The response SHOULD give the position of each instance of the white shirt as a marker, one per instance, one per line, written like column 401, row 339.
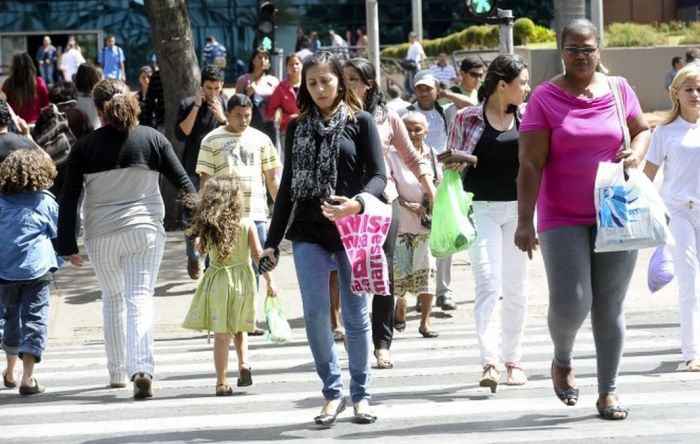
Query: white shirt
column 397, row 104
column 677, row 147
column 437, row 134
column 304, row 53
column 445, row 73
column 70, row 61
column 415, row 52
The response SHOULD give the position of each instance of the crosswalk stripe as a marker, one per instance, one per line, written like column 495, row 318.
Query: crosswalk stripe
column 446, row 367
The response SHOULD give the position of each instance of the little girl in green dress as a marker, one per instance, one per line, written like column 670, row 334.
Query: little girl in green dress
column 225, row 298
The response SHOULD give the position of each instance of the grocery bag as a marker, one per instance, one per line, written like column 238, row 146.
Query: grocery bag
column 629, row 211
column 278, row 329
column 363, row 236
column 452, row 228
column 660, row 271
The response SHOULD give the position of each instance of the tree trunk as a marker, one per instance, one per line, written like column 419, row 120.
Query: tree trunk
column 565, row 11
column 179, row 70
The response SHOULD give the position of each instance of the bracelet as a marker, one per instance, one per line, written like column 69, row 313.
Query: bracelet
column 196, row 106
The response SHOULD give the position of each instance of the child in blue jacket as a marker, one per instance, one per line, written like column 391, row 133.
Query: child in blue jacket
column 28, row 218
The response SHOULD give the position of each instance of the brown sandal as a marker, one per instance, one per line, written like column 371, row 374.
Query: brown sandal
column 516, row 375
column 383, row 362
column 224, row 390
column 244, row 376
column 489, row 378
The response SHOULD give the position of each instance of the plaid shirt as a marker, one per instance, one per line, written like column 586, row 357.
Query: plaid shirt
column 468, row 126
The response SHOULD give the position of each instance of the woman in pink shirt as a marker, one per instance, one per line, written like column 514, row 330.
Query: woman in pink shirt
column 360, row 76
column 26, row 93
column 282, row 104
column 570, row 126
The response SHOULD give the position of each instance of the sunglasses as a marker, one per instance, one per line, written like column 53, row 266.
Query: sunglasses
column 575, row 50
column 475, row 75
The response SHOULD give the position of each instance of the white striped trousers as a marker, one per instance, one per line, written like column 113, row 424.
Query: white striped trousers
column 126, row 264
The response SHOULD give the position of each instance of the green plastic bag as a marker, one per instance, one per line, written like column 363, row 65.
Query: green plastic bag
column 452, row 228
column 278, row 329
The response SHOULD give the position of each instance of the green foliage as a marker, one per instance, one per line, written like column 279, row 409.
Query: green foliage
column 691, row 34
column 543, row 35
column 632, row 34
column 475, row 36
column 675, row 27
column 523, row 30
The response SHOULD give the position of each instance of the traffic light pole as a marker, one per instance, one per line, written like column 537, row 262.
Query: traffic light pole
column 505, row 31
column 372, row 16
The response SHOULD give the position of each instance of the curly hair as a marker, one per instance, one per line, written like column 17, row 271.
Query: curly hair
column 217, row 214
column 26, row 170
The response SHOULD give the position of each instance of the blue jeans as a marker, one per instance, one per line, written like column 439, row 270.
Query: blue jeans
column 192, row 252
column 261, row 228
column 46, row 71
column 313, row 265
column 2, row 318
column 26, row 317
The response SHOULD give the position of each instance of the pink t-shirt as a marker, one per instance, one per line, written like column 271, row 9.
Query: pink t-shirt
column 584, row 132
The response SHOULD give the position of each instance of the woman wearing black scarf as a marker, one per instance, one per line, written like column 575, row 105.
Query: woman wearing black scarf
column 334, row 154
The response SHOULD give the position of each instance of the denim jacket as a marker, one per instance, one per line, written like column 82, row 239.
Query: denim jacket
column 27, row 224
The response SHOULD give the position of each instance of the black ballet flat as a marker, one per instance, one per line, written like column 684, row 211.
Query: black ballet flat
column 328, row 419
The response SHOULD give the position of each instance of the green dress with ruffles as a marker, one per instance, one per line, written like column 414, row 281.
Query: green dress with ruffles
column 224, row 301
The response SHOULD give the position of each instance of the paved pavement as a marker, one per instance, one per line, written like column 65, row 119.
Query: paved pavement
column 432, row 394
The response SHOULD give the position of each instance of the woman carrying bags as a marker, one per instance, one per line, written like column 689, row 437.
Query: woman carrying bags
column 490, row 132
column 360, row 76
column 332, row 153
column 569, row 127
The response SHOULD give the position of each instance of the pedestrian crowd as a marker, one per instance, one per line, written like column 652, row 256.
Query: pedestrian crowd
column 322, row 145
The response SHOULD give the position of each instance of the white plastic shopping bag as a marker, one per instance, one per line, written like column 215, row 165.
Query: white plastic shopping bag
column 629, row 212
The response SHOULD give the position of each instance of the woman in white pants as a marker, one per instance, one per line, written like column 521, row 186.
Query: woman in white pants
column 118, row 166
column 490, row 131
column 675, row 143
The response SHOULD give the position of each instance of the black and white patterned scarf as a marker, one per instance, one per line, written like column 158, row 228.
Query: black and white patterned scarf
column 315, row 174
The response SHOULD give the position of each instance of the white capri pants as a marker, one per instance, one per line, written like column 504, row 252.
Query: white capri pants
column 126, row 264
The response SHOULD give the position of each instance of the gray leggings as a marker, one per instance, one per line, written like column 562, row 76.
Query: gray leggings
column 581, row 281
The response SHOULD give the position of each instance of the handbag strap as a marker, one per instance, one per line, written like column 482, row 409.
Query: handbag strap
column 617, row 95
column 432, row 161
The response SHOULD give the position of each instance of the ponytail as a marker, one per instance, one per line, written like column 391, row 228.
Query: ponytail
column 119, row 107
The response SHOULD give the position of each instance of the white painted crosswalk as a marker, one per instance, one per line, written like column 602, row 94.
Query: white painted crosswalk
column 431, row 395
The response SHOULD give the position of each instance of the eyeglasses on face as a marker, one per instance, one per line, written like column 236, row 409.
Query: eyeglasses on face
column 575, row 50
column 475, row 75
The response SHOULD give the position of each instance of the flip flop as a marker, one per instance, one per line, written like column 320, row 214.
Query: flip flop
column 428, row 333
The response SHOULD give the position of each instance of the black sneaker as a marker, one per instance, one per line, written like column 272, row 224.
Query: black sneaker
column 142, row 386
column 446, row 303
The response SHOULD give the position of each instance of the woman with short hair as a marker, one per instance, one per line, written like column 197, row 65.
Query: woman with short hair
column 118, row 167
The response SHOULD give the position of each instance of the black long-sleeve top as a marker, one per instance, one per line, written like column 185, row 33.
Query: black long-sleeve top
column 120, row 171
column 360, row 169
